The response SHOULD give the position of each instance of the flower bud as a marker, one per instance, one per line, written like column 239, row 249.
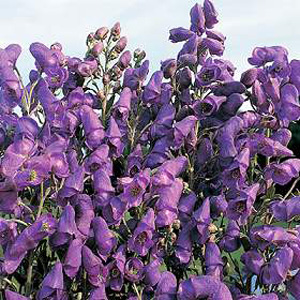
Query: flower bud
column 101, row 95
column 176, row 224
column 116, row 29
column 97, row 49
column 56, row 46
column 248, row 77
column 139, row 54
column 124, row 60
column 101, row 33
column 106, row 79
column 121, row 44
column 169, row 67
column 113, row 55
column 212, row 228
column 90, row 38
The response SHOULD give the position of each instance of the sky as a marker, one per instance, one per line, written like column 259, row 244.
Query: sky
column 146, row 23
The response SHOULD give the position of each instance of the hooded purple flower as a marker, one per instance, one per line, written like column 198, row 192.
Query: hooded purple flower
column 275, row 271
column 134, row 78
column 179, row 34
column 167, row 204
column 104, row 238
column 213, row 260
column 66, row 228
column 166, row 287
column 134, row 268
column 93, row 128
column 152, row 91
column 293, row 286
column 169, row 170
column 262, row 55
column 98, row 293
column 84, row 213
column 202, row 219
column 266, row 235
column 218, row 205
column 253, row 261
column 208, row 106
column 96, row 272
column 240, row 208
column 235, row 175
column 201, row 287
column 231, row 239
column 141, row 241
column 8, row 196
column 121, row 109
column 282, row 173
column 114, row 211
column 27, row 240
column 102, row 187
column 135, row 189
column 198, row 19
column 210, row 14
column 186, row 207
column 53, row 284
column 73, row 184
column 289, row 104
column 9, row 295
column 163, row 123
column 72, row 261
column 116, row 270
column 134, row 161
column 114, row 136
column 285, row 210
column 184, row 244
column 152, row 273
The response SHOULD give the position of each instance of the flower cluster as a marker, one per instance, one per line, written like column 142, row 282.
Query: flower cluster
column 178, row 186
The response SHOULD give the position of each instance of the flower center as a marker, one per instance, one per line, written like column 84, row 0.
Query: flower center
column 240, row 207
column 206, row 107
column 235, row 173
column 135, row 190
column 142, row 237
column 115, row 272
column 32, row 175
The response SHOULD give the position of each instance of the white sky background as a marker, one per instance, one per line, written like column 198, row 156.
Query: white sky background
column 146, row 23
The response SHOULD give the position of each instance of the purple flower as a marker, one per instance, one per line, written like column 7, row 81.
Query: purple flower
column 104, row 238
column 198, row 19
column 166, row 287
column 162, row 125
column 9, row 295
column 116, row 270
column 134, row 268
column 240, row 208
column 152, row 273
column 284, row 172
column 231, row 239
column 114, row 211
column 179, row 34
column 53, row 284
column 152, row 91
column 204, row 286
column 113, row 135
column 66, row 228
column 141, row 241
column 213, row 260
column 253, row 261
column 285, row 210
column 275, row 271
column 72, row 261
column 135, row 189
column 184, row 244
column 167, row 204
column 202, row 219
column 27, row 240
column 96, row 272
column 210, row 14
column 182, row 129
column 8, row 196
column 98, row 293
column 186, row 207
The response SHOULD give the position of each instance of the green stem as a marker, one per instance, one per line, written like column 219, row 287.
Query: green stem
column 292, row 188
column 42, row 200
column 137, row 292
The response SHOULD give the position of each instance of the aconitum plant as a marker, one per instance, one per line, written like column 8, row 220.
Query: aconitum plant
column 179, row 185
